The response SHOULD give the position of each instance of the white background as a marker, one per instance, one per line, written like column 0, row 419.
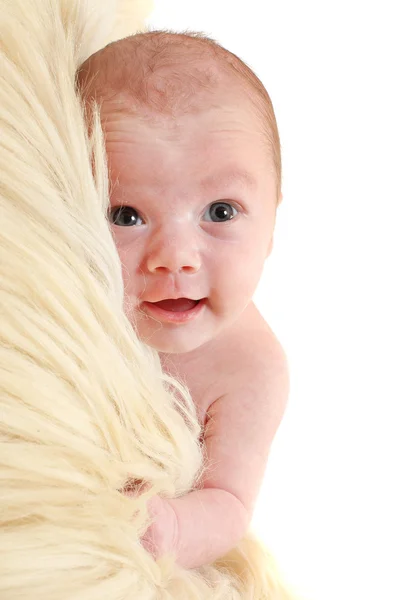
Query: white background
column 334, row 503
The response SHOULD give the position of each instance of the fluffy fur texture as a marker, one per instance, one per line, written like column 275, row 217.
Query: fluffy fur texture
column 84, row 406
column 130, row 17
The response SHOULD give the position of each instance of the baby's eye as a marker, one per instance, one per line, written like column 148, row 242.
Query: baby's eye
column 219, row 212
column 125, row 216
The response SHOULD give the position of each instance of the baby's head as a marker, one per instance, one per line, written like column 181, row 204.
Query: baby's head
column 195, row 173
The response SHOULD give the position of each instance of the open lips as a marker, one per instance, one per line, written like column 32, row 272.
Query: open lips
column 177, row 305
column 174, row 310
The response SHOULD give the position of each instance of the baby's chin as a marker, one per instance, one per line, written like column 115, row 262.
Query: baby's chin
column 171, row 346
column 175, row 341
column 183, row 338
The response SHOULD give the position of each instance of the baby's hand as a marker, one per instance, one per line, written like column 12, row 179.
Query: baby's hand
column 161, row 537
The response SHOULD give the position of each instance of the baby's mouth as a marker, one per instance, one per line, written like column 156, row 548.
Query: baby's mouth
column 176, row 304
column 175, row 311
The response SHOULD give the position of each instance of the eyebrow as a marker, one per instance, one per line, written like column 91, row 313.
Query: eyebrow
column 225, row 178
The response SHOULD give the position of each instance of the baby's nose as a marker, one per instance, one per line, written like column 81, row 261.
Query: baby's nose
column 174, row 254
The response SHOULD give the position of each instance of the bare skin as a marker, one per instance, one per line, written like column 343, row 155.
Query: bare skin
column 240, row 407
column 168, row 173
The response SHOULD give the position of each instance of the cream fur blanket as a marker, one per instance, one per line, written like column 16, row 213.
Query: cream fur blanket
column 83, row 404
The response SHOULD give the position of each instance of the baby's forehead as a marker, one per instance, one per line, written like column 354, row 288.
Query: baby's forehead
column 162, row 75
column 168, row 70
column 180, row 86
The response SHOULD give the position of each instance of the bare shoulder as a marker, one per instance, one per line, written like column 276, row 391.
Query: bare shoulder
column 251, row 359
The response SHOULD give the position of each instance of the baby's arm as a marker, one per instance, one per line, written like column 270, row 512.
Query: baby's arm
column 203, row 525
column 198, row 527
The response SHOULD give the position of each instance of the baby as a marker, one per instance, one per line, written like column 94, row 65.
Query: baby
column 194, row 161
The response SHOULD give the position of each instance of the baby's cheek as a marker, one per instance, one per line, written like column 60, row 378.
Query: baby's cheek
column 240, row 270
column 129, row 255
column 131, row 275
column 131, row 284
column 236, row 288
